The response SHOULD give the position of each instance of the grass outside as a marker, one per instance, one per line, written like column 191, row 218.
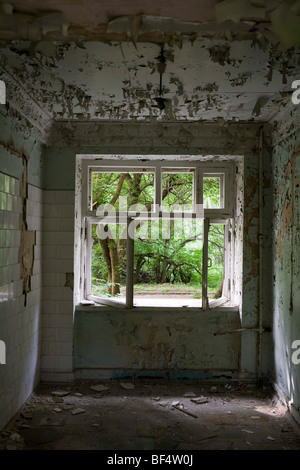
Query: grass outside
column 164, row 289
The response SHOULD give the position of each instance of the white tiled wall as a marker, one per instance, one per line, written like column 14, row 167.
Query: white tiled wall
column 20, row 325
column 57, row 254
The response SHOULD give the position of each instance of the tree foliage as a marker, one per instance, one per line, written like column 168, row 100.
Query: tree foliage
column 174, row 255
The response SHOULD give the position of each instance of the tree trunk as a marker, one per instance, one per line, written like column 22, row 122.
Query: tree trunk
column 115, row 268
column 106, row 256
column 139, row 264
column 163, row 277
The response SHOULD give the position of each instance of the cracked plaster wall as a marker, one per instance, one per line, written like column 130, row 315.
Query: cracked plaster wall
column 286, row 271
column 157, row 140
column 171, row 344
column 20, row 266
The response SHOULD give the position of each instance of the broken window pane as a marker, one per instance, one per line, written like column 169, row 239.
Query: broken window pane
column 168, row 264
column 122, row 190
column 108, row 264
column 177, row 190
column 215, row 273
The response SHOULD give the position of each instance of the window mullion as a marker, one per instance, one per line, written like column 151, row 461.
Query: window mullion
column 198, row 192
column 88, row 257
column 129, row 265
column 158, row 195
column 205, row 304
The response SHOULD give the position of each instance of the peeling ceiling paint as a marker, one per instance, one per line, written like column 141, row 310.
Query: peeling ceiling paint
column 203, row 80
column 81, row 60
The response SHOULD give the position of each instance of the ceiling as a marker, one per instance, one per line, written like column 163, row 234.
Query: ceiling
column 99, row 60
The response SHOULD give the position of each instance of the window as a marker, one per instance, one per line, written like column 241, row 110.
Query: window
column 157, row 233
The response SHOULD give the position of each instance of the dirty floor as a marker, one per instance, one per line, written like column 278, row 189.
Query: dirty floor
column 151, row 414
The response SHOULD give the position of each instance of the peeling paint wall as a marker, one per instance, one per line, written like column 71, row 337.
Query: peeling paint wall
column 286, row 252
column 20, row 267
column 186, row 344
column 156, row 140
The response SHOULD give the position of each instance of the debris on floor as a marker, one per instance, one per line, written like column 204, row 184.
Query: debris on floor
column 78, row 411
column 157, row 415
column 60, row 393
column 99, row 388
column 199, row 400
column 127, row 386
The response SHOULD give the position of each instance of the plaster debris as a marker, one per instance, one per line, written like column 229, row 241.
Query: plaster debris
column 248, row 431
column 60, row 393
column 99, row 388
column 57, row 410
column 77, row 394
column 213, row 389
column 175, row 403
column 270, row 438
column 199, row 400
column 127, row 386
column 78, row 411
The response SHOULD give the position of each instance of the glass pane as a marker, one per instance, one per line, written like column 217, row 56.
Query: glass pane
column 212, row 192
column 168, row 264
column 109, row 261
column 177, row 191
column 122, row 190
column 215, row 260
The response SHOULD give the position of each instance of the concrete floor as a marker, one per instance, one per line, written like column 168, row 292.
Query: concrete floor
column 154, row 414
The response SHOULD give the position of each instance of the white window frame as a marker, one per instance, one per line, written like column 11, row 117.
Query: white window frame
column 223, row 215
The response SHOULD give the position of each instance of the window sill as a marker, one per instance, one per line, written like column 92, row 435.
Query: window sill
column 216, row 304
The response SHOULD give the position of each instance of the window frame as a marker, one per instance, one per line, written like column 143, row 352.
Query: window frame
column 224, row 215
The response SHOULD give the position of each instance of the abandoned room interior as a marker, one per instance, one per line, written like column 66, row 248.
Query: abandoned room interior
column 149, row 224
